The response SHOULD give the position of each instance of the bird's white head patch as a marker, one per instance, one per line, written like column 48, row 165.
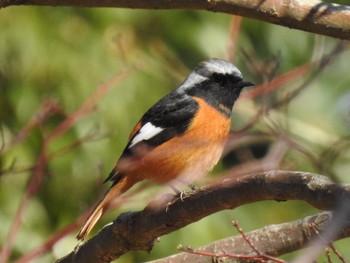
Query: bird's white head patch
column 207, row 68
column 220, row 66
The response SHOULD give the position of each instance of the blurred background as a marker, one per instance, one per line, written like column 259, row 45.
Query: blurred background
column 74, row 81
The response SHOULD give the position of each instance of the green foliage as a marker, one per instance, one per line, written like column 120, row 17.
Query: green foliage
column 58, row 57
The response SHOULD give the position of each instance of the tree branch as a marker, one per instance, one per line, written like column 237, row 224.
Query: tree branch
column 273, row 240
column 138, row 230
column 314, row 16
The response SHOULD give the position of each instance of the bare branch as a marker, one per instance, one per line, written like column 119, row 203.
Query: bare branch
column 274, row 240
column 312, row 16
column 138, row 230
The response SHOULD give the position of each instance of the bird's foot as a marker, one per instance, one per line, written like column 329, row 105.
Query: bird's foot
column 180, row 195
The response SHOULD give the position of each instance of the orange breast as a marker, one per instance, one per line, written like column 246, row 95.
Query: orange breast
column 190, row 155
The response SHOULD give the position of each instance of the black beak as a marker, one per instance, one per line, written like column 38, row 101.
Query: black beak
column 247, row 84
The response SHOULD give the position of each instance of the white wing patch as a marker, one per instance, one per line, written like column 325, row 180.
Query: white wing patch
column 146, row 132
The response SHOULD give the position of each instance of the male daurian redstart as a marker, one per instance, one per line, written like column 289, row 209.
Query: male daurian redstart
column 181, row 137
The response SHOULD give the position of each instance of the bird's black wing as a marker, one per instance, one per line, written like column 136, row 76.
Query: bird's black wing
column 168, row 118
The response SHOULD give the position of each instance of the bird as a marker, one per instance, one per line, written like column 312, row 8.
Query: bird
column 181, row 137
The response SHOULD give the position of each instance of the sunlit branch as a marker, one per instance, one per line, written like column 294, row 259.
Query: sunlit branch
column 312, row 16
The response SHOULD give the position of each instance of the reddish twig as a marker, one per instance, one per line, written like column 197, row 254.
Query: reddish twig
column 330, row 245
column 17, row 221
column 235, row 28
column 88, row 105
column 258, row 258
column 247, row 240
column 253, row 247
column 277, row 82
column 48, row 245
column 339, row 255
column 48, row 108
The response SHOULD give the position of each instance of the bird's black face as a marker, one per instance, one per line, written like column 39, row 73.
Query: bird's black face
column 218, row 82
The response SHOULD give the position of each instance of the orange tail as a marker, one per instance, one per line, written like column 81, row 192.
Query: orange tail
column 116, row 190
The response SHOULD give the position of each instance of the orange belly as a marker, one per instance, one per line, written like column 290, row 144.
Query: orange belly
column 186, row 156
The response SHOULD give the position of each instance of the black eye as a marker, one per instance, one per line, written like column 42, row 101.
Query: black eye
column 219, row 78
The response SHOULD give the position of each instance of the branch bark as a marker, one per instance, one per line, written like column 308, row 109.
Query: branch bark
column 314, row 16
column 273, row 240
column 138, row 230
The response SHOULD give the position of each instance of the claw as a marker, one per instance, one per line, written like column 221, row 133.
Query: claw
column 182, row 196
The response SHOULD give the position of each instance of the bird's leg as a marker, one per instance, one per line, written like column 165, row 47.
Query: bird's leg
column 176, row 197
column 184, row 194
column 177, row 191
column 181, row 194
